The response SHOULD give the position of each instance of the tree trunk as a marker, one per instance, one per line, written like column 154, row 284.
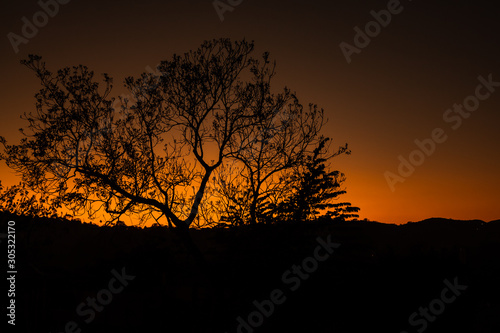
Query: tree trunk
column 182, row 230
column 203, row 279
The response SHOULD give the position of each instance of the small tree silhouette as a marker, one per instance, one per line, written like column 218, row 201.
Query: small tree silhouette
column 315, row 190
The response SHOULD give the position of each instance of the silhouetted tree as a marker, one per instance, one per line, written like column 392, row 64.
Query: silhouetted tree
column 146, row 157
column 154, row 156
column 315, row 189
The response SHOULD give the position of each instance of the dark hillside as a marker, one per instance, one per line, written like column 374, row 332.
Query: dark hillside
column 374, row 281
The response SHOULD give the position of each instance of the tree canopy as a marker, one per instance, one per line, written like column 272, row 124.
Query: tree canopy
column 203, row 136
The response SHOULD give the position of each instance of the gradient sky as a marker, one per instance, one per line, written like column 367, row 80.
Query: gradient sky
column 393, row 92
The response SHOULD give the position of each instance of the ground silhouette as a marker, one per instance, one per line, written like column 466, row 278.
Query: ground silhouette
column 378, row 276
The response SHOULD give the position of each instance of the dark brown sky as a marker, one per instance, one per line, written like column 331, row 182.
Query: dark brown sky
column 394, row 91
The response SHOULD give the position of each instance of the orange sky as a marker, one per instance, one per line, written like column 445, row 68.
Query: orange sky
column 394, row 91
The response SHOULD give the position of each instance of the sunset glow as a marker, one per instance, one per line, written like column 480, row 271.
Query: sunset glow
column 397, row 89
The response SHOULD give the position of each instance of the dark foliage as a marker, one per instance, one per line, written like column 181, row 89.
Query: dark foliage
column 315, row 191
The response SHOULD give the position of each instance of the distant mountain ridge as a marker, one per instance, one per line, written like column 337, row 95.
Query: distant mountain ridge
column 5, row 216
column 446, row 220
